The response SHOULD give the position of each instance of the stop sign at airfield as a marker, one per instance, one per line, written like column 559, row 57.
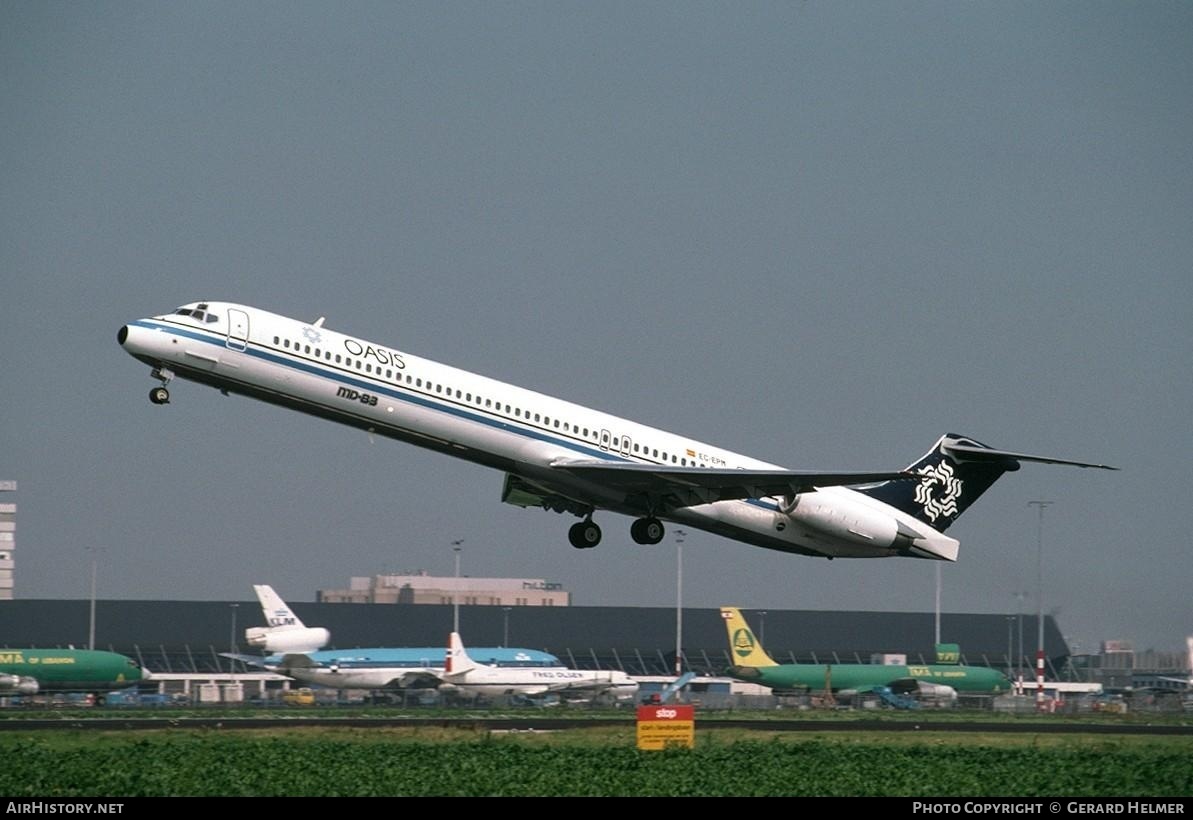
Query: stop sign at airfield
column 663, row 726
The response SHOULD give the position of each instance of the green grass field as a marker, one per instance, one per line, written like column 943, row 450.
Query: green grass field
column 601, row 761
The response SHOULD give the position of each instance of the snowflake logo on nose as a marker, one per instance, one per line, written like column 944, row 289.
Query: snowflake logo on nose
column 313, row 336
column 938, row 491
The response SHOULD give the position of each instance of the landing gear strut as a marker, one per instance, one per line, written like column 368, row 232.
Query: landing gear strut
column 647, row 530
column 584, row 534
column 160, row 395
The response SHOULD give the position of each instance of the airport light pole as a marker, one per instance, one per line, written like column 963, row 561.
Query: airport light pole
column 91, row 621
column 679, row 534
column 1019, row 596
column 456, row 590
column 762, row 627
column 1039, row 505
column 232, row 640
column 937, row 602
column 505, row 626
column 1010, row 645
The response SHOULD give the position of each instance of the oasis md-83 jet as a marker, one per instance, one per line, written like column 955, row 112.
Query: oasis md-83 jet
column 565, row 457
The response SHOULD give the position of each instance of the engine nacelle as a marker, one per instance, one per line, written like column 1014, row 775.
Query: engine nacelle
column 936, row 692
column 303, row 639
column 18, row 685
column 848, row 521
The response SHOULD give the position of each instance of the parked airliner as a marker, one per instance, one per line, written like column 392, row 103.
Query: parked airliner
column 565, row 457
column 393, row 668
column 296, row 651
column 464, row 676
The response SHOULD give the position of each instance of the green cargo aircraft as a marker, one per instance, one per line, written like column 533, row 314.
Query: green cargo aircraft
column 938, row 680
column 33, row 671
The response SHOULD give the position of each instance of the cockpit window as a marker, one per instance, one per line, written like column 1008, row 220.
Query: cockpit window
column 199, row 314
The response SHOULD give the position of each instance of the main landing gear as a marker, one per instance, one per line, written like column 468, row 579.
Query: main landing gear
column 586, row 534
column 647, row 530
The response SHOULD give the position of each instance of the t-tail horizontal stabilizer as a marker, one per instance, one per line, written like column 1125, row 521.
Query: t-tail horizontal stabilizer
column 953, row 474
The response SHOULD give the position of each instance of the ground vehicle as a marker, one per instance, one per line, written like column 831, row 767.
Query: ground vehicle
column 299, row 697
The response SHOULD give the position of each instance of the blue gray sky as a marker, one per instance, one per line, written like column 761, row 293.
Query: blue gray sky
column 819, row 233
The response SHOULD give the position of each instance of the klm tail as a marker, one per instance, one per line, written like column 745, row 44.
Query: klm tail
column 744, row 648
column 277, row 613
column 955, row 472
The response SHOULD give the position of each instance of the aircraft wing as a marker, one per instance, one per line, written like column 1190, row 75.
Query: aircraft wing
column 594, row 687
column 904, row 686
column 296, row 660
column 248, row 660
column 689, row 486
column 417, row 679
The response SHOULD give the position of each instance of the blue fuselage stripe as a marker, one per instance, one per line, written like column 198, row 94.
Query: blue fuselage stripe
column 336, row 375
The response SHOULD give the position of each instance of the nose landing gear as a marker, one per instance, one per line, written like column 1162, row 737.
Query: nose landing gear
column 160, row 395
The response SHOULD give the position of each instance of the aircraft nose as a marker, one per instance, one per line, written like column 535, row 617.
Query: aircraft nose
column 122, row 335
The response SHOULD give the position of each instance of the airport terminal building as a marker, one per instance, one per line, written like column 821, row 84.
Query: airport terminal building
column 192, row 636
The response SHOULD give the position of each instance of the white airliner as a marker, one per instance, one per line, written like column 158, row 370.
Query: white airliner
column 285, row 633
column 464, row 676
column 565, row 457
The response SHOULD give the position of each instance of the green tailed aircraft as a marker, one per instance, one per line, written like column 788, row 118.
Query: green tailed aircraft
column 938, row 680
column 32, row 671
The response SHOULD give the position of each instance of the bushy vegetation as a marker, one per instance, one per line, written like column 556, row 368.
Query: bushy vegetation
column 598, row 762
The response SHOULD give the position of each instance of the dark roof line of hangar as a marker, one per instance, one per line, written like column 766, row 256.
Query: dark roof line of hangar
column 576, row 633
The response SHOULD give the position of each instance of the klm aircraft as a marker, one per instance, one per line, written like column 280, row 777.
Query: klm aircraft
column 296, row 650
column 564, row 457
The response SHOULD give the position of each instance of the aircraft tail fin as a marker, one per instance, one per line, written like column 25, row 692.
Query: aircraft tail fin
column 285, row 631
column 276, row 611
column 954, row 473
column 458, row 660
column 744, row 647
